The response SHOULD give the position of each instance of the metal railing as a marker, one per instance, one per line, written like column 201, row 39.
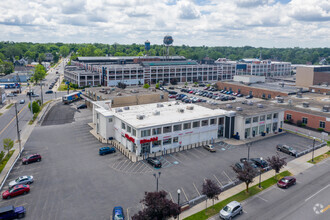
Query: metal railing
column 310, row 149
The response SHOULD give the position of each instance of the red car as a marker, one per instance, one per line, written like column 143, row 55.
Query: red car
column 286, row 181
column 31, row 158
column 172, row 96
column 15, row 191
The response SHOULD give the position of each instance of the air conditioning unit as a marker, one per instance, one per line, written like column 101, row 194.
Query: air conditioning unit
column 260, row 105
column 119, row 110
column 299, row 95
column 126, row 108
column 229, row 106
column 156, row 112
column 239, row 109
column 140, row 117
column 280, row 100
column 306, row 104
column 180, row 110
column 250, row 103
column 159, row 105
column 190, row 107
column 326, row 108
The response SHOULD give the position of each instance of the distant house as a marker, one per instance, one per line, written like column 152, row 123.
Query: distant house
column 21, row 62
column 49, row 57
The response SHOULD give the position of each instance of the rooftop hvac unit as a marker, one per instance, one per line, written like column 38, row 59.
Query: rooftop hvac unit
column 299, row 95
column 159, row 105
column 190, row 107
column 181, row 110
column 118, row 94
column 140, row 117
column 290, row 101
column 244, row 102
column 250, row 103
column 326, row 108
column 119, row 110
column 239, row 109
column 299, row 90
column 306, row 104
column 260, row 105
column 126, row 108
column 281, row 84
column 280, row 100
column 229, row 106
column 156, row 112
column 177, row 103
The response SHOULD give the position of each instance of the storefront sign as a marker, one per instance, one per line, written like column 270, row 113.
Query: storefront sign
column 148, row 140
column 129, row 138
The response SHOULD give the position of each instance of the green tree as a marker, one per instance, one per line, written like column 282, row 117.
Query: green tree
column 2, row 154
column 157, row 86
column 41, row 57
column 8, row 144
column 146, row 86
column 39, row 73
column 64, row 51
column 35, row 106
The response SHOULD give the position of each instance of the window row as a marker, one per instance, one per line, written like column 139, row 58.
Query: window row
column 165, row 142
column 261, row 118
column 304, row 121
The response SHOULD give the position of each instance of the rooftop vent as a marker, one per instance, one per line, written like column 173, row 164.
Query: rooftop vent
column 326, row 108
column 156, row 112
column 134, row 91
column 119, row 110
column 299, row 95
column 239, row 109
column 118, row 94
column 177, row 103
column 181, row 110
column 190, row 107
column 126, row 108
column 159, row 105
column 290, row 101
column 140, row 117
column 299, row 90
column 250, row 103
column 281, row 84
column 244, row 102
column 229, row 106
column 306, row 104
column 260, row 105
column 280, row 100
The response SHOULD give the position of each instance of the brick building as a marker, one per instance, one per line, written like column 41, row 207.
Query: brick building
column 312, row 75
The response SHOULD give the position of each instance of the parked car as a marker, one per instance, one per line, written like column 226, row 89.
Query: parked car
column 16, row 191
column 34, row 95
column 154, row 162
column 231, row 210
column 118, row 213
column 106, row 150
column 21, row 180
column 11, row 212
column 209, row 147
column 286, row 149
column 172, row 96
column 241, row 164
column 260, row 163
column 49, row 92
column 239, row 95
column 50, row 87
column 31, row 158
column 11, row 95
column 249, row 97
column 81, row 106
column 22, row 101
column 286, row 182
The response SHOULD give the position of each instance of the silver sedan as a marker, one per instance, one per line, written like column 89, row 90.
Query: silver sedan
column 21, row 180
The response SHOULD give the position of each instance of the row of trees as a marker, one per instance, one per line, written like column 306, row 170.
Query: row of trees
column 10, row 50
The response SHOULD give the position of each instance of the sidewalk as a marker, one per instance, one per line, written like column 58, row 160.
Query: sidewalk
column 305, row 131
column 251, row 140
column 295, row 166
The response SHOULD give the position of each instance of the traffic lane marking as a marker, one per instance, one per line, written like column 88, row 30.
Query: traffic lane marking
column 129, row 164
column 317, row 192
column 262, row 198
column 137, row 164
column 12, row 119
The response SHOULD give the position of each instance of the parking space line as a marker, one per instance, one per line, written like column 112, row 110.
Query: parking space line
column 227, row 176
column 182, row 153
column 262, row 198
column 127, row 213
column 175, row 158
column 244, row 211
column 147, row 166
column 137, row 164
column 127, row 165
column 139, row 167
column 280, row 189
column 217, row 180
column 194, row 155
column 143, row 167
column 200, row 151
column 116, row 164
column 119, row 168
column 185, row 195
column 196, row 189
column 317, row 193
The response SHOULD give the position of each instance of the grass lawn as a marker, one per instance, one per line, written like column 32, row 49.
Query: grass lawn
column 320, row 158
column 213, row 210
column 5, row 160
column 9, row 106
column 62, row 87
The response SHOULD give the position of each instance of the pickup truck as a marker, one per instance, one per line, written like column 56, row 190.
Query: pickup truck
column 10, row 212
column 286, row 149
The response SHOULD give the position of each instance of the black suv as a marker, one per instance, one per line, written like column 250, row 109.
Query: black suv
column 286, row 149
column 154, row 162
column 260, row 163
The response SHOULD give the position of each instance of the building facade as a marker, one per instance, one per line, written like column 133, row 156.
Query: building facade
column 312, row 75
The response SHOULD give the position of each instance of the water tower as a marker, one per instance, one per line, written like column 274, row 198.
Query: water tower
column 168, row 41
column 147, row 47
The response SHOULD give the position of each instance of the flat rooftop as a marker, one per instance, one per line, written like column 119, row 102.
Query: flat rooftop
column 168, row 113
column 111, row 92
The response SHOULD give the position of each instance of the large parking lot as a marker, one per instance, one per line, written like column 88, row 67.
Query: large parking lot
column 73, row 182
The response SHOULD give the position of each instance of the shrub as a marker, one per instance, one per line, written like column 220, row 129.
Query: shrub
column 2, row 154
column 35, row 106
column 146, row 86
column 320, row 129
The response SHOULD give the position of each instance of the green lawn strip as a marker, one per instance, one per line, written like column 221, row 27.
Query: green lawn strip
column 9, row 106
column 1, row 114
column 320, row 158
column 5, row 160
column 213, row 210
column 35, row 115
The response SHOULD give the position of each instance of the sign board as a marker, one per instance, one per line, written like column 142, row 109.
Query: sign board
column 67, row 83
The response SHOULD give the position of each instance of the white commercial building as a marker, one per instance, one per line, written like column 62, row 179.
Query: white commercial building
column 161, row 126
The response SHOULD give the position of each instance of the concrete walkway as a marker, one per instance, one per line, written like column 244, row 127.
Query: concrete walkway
column 295, row 166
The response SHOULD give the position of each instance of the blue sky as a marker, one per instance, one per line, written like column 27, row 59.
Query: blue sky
column 258, row 23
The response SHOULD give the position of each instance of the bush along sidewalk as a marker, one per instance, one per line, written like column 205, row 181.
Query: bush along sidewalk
column 241, row 196
column 5, row 160
column 320, row 158
column 36, row 108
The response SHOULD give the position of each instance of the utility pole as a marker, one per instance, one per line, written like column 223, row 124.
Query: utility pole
column 18, row 131
column 42, row 97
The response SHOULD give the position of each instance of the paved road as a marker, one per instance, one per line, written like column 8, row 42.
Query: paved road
column 305, row 200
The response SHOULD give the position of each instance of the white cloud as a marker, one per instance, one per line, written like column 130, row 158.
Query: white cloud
column 264, row 23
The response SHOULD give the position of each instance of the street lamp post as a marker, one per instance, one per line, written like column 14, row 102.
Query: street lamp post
column 179, row 192
column 249, row 145
column 313, row 149
column 157, row 177
column 260, row 174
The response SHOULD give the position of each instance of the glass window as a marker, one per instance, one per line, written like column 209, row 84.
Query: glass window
column 212, row 121
column 304, row 120
column 205, row 123
column 248, row 121
column 110, row 120
column 167, row 129
column 196, row 124
column 262, row 118
column 97, row 116
column 269, row 116
column 177, row 127
column 134, row 132
column 288, row 116
column 123, row 126
column 175, row 139
column 186, row 126
column 275, row 115
column 255, row 119
column 322, row 124
column 167, row 141
column 129, row 129
column 145, row 133
column 156, row 131
column 156, row 143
